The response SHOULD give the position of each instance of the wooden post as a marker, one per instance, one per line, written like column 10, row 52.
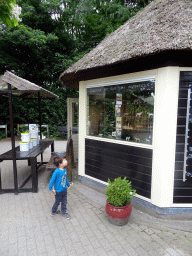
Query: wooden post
column 17, row 128
column 34, row 174
column 13, row 141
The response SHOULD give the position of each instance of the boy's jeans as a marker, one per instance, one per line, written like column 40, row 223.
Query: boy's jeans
column 60, row 197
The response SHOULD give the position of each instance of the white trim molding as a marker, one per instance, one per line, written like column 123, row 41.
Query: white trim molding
column 122, row 142
column 164, row 136
column 123, row 79
column 82, row 127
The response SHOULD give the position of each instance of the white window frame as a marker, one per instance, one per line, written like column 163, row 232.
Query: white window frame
column 124, row 79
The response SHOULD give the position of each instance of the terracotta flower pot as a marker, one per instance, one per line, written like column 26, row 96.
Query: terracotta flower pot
column 118, row 215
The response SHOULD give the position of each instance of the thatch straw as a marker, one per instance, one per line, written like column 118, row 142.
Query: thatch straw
column 162, row 25
column 19, row 84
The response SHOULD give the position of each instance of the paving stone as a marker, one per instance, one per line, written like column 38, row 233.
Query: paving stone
column 141, row 251
column 41, row 247
column 48, row 239
column 84, row 239
column 58, row 241
column 42, row 254
column 13, row 249
column 113, row 253
column 95, row 242
column 32, row 253
column 21, row 241
column 106, row 245
column 68, row 245
column 101, row 251
column 122, row 241
column 172, row 252
column 130, row 251
column 22, row 251
column 61, row 251
column 145, row 245
column 132, row 242
column 28, row 229
column 72, row 253
column 79, row 231
column 79, row 248
column 89, row 248
column 98, row 234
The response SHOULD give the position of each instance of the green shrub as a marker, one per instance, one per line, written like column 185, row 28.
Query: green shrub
column 22, row 128
column 119, row 192
column 2, row 135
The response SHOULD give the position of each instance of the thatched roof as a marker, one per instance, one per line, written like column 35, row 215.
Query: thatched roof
column 22, row 87
column 162, row 25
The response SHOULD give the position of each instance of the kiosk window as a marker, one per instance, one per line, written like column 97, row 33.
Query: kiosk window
column 123, row 112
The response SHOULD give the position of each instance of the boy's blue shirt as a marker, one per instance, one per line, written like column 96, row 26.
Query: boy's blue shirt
column 59, row 180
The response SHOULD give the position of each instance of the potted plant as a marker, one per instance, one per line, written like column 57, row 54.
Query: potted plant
column 119, row 194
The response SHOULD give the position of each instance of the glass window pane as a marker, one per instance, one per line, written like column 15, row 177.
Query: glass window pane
column 122, row 112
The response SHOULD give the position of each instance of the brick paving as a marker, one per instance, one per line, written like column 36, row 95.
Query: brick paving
column 28, row 229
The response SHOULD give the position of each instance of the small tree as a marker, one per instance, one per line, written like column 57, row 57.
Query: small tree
column 8, row 15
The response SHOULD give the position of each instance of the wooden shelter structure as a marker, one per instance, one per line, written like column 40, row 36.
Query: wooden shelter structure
column 146, row 61
column 12, row 85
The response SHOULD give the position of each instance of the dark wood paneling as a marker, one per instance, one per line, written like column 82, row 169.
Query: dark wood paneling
column 182, row 190
column 181, row 121
column 182, row 200
column 114, row 155
column 179, row 157
column 179, row 184
column 104, row 160
column 138, row 185
column 182, row 103
column 135, row 176
column 94, row 165
column 183, row 93
column 185, row 78
column 182, row 112
column 180, row 139
column 121, row 148
column 180, row 148
column 180, row 130
column 179, row 166
column 178, row 175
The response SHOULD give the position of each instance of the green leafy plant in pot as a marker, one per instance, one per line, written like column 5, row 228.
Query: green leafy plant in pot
column 118, row 206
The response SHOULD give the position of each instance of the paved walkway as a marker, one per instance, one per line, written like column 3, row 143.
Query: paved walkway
column 28, row 229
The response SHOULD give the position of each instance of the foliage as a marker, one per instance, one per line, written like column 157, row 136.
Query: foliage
column 51, row 37
column 93, row 20
column 109, row 121
column 25, row 48
column 2, row 135
column 119, row 192
column 7, row 16
column 22, row 129
column 54, row 134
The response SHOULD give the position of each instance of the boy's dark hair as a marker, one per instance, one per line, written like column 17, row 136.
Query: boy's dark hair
column 58, row 160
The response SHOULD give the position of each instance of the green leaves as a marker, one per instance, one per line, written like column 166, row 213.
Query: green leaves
column 7, row 16
column 51, row 37
column 119, row 192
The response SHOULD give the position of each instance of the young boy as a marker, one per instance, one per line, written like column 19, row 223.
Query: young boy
column 60, row 182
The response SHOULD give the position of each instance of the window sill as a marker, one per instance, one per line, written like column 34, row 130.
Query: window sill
column 116, row 141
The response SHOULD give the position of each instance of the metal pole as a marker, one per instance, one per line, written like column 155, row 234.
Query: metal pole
column 186, row 135
column 13, row 141
column 39, row 105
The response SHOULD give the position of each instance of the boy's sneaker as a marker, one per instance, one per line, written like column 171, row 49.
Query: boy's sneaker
column 66, row 216
column 53, row 213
